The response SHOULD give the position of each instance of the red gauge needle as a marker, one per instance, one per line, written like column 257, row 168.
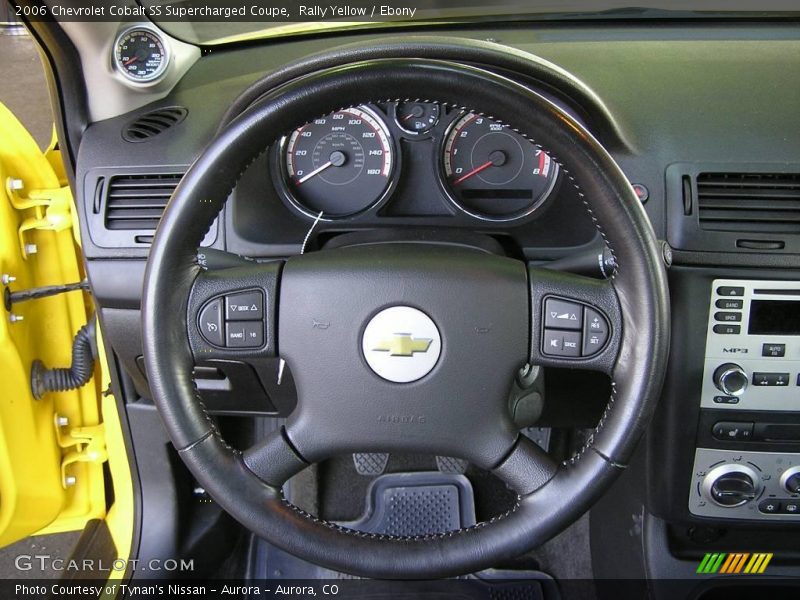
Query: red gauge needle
column 131, row 60
column 474, row 171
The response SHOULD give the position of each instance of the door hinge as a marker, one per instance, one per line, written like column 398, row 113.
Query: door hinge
column 83, row 444
column 52, row 210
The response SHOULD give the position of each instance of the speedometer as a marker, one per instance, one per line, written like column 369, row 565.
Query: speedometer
column 340, row 164
column 494, row 173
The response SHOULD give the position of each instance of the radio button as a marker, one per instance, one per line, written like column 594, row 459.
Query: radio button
column 775, row 350
column 730, row 290
column 729, row 304
column 727, row 329
column 771, row 379
column 730, row 317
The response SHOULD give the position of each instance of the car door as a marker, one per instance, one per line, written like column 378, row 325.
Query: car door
column 51, row 449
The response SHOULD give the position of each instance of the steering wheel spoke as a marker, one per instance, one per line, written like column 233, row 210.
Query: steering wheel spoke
column 274, row 460
column 526, row 468
column 231, row 313
column 576, row 321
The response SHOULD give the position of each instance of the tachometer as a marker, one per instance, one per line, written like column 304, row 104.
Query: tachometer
column 492, row 172
column 141, row 55
column 340, row 164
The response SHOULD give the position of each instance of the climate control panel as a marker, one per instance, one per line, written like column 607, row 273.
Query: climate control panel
column 745, row 485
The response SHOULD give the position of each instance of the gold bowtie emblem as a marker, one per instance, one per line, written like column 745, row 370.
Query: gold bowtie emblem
column 402, row 344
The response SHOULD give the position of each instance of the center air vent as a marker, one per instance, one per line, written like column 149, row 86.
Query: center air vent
column 153, row 123
column 749, row 202
column 136, row 202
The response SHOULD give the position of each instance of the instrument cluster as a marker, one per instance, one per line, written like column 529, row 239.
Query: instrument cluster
column 351, row 162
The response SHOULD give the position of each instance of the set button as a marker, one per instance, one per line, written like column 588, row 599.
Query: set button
column 234, row 321
column 572, row 329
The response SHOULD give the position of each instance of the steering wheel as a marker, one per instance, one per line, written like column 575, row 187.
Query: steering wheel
column 329, row 314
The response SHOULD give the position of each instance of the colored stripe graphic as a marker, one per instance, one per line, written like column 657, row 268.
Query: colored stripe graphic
column 734, row 563
column 711, row 562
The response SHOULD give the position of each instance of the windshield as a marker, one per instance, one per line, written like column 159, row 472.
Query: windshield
column 210, row 22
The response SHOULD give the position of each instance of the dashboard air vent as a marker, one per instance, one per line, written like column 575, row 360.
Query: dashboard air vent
column 151, row 124
column 136, row 202
column 749, row 202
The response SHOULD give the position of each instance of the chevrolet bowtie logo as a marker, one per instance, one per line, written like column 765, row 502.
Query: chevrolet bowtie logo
column 402, row 344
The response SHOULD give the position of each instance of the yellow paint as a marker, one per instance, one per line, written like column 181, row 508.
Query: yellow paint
column 36, row 453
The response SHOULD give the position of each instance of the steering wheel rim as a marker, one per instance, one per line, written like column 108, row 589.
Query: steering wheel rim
column 637, row 367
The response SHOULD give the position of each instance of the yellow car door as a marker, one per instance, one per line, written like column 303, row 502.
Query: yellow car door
column 53, row 444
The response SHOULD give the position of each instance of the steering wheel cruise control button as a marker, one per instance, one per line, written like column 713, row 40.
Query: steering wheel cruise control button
column 244, row 306
column 595, row 332
column 210, row 323
column 244, row 334
column 562, row 314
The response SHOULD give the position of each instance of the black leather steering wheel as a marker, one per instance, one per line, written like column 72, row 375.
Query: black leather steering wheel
column 488, row 312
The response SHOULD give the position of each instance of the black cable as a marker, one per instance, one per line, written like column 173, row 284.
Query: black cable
column 84, row 352
column 10, row 298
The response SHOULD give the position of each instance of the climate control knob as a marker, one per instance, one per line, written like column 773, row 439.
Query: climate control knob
column 731, row 379
column 731, row 485
column 790, row 480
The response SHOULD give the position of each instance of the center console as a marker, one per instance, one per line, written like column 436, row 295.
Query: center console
column 749, row 465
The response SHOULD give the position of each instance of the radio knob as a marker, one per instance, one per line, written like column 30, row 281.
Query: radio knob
column 731, row 485
column 790, row 480
column 731, row 379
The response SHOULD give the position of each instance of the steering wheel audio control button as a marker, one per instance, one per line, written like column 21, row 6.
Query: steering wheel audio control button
column 244, row 306
column 210, row 323
column 562, row 343
column 562, row 314
column 244, row 334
